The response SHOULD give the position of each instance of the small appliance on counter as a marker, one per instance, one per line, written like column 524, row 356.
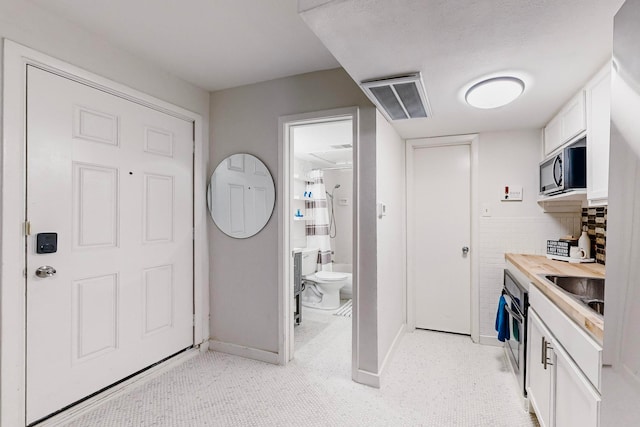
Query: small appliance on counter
column 570, row 249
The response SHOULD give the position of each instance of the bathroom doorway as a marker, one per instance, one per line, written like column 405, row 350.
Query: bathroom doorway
column 318, row 238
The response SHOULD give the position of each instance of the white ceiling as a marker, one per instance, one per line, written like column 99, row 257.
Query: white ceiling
column 214, row 44
column 553, row 45
column 321, row 144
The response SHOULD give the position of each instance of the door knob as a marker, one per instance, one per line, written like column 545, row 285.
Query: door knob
column 45, row 271
column 465, row 250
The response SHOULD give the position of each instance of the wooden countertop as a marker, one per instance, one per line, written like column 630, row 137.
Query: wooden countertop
column 534, row 265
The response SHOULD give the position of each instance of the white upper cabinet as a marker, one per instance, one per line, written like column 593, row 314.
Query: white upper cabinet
column 567, row 124
column 553, row 135
column 598, row 92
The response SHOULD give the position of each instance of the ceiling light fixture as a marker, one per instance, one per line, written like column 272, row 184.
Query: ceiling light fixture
column 494, row 92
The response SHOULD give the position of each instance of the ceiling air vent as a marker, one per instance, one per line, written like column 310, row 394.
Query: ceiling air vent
column 399, row 97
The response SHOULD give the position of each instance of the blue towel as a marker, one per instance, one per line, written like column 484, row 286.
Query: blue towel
column 502, row 320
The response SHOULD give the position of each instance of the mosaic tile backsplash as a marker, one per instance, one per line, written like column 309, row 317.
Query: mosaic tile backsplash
column 596, row 221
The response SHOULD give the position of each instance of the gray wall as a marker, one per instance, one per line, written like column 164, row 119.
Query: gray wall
column 244, row 273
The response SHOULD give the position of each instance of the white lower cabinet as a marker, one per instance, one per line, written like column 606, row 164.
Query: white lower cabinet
column 539, row 375
column 558, row 391
column 577, row 402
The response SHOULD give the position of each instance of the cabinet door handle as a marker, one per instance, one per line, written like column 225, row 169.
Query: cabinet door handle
column 546, row 357
column 543, row 356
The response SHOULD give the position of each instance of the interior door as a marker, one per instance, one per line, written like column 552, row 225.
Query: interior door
column 114, row 180
column 442, row 275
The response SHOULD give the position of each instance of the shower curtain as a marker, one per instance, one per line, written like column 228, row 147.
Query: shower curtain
column 317, row 227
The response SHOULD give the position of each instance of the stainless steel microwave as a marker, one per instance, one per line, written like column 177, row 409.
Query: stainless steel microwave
column 566, row 170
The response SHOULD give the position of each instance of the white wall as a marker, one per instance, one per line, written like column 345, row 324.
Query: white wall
column 391, row 236
column 342, row 244
column 25, row 23
column 510, row 158
column 621, row 380
column 244, row 273
column 28, row 24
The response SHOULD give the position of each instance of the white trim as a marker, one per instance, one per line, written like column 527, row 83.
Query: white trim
column 285, row 295
column 246, row 352
column 392, row 350
column 119, row 390
column 12, row 295
column 367, row 378
column 411, row 146
column 490, row 340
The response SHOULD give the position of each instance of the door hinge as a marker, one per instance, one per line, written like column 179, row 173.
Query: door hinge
column 27, row 228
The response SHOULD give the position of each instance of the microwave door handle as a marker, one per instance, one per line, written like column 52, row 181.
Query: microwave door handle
column 557, row 179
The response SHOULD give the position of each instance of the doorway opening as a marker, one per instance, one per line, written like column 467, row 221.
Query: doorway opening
column 318, row 234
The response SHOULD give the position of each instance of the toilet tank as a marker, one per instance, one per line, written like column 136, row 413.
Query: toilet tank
column 309, row 261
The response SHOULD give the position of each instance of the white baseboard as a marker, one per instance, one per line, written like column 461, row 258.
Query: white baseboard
column 118, row 390
column 246, row 352
column 367, row 378
column 204, row 346
column 392, row 349
column 490, row 340
column 372, row 379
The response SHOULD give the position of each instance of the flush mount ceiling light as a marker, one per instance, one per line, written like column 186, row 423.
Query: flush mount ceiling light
column 494, row 92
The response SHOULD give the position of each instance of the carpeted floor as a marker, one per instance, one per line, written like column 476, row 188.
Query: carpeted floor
column 433, row 379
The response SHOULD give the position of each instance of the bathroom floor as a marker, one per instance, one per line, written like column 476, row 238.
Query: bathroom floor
column 314, row 321
column 434, row 379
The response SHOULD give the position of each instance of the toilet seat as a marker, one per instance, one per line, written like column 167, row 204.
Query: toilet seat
column 331, row 276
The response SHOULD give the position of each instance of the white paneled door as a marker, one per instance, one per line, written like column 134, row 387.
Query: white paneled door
column 441, row 192
column 114, row 180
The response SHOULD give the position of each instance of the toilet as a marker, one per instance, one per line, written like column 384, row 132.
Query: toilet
column 322, row 287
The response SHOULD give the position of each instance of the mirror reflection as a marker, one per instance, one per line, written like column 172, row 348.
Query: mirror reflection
column 241, row 195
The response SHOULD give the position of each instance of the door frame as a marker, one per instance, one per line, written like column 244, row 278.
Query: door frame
column 13, row 213
column 411, row 145
column 285, row 260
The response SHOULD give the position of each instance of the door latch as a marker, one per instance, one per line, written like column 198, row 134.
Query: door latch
column 45, row 271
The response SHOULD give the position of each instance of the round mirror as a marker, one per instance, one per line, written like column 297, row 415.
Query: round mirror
column 241, row 195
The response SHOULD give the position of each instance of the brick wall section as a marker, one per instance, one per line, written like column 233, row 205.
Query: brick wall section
column 595, row 219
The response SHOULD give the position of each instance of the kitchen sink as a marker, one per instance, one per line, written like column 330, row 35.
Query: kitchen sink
column 588, row 290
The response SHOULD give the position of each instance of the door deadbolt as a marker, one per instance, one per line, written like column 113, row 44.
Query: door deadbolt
column 45, row 271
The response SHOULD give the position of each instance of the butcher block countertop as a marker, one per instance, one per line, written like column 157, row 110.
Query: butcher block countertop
column 534, row 265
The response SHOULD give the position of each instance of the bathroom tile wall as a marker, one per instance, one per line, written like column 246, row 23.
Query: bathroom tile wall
column 595, row 219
